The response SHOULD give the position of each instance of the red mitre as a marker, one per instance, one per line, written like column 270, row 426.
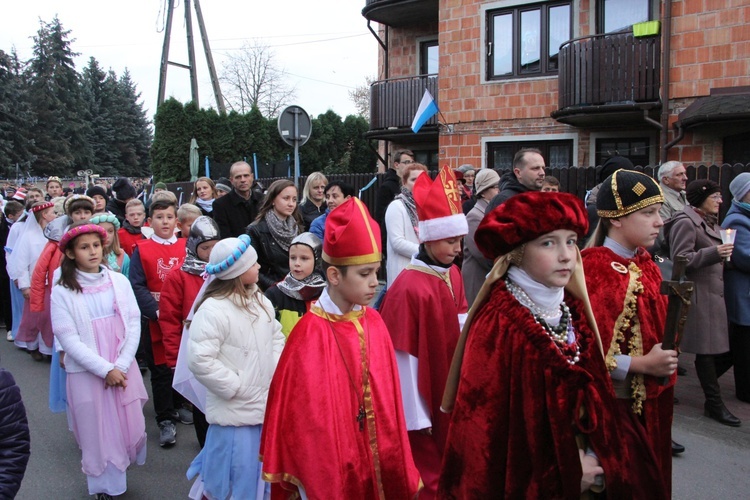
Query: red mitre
column 527, row 216
column 352, row 237
column 439, row 207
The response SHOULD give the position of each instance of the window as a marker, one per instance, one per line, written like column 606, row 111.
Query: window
column 635, row 149
column 429, row 158
column 617, row 15
column 428, row 58
column 525, row 40
column 556, row 154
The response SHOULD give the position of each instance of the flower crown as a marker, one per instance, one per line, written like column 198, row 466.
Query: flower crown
column 99, row 218
column 232, row 258
column 77, row 231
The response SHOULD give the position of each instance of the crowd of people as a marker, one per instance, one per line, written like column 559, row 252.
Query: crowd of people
column 514, row 350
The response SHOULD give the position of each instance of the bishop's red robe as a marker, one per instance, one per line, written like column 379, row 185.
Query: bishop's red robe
column 421, row 311
column 311, row 435
column 521, row 410
column 628, row 306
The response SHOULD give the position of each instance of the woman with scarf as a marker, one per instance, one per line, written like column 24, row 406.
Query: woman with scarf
column 204, row 194
column 180, row 289
column 402, row 225
column 476, row 266
column 271, row 234
column 695, row 233
column 292, row 297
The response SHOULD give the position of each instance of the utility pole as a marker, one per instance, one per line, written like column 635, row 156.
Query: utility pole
column 191, row 67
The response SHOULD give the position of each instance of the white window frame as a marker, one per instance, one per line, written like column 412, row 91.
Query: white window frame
column 534, row 137
column 419, row 41
column 652, row 150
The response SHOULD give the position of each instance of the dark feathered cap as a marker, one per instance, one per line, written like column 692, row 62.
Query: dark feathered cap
column 626, row 191
column 527, row 216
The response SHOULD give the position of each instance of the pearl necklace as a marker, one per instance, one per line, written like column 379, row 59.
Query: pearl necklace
column 563, row 335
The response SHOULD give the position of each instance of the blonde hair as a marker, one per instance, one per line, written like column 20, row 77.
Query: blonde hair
column 115, row 246
column 188, row 211
column 134, row 202
column 224, row 289
column 210, row 183
column 312, row 179
column 601, row 232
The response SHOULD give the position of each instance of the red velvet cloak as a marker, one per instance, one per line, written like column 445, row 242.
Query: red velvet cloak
column 310, row 434
column 421, row 314
column 518, row 410
column 608, row 279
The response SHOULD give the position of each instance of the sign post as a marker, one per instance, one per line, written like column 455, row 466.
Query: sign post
column 295, row 128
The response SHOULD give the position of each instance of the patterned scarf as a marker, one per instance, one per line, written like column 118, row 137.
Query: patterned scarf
column 206, row 205
column 305, row 289
column 407, row 198
column 283, row 231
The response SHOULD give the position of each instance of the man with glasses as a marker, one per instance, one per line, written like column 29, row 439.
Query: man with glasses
column 391, row 186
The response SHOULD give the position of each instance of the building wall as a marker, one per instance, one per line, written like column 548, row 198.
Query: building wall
column 710, row 49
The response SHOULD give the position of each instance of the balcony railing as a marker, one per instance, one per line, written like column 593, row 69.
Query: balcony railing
column 401, row 13
column 609, row 69
column 394, row 102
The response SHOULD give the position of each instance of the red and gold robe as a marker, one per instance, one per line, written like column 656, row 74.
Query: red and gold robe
column 421, row 310
column 523, row 411
column 312, row 437
column 630, row 313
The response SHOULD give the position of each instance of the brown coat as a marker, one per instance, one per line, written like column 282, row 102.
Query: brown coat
column 706, row 331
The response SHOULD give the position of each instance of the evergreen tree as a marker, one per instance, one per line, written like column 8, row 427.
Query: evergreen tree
column 61, row 127
column 134, row 129
column 169, row 153
column 98, row 92
column 16, row 118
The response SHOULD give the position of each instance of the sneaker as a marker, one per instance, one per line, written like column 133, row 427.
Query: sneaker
column 9, row 336
column 167, row 433
column 104, row 496
column 184, row 416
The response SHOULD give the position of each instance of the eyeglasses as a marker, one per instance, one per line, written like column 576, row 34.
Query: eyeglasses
column 716, row 197
column 406, row 162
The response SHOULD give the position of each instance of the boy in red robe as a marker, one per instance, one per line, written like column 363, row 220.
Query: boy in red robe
column 533, row 415
column 624, row 285
column 334, row 426
column 424, row 310
column 152, row 260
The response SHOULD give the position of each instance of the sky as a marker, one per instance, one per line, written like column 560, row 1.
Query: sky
column 323, row 45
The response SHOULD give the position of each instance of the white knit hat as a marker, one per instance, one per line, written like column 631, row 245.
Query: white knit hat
column 231, row 257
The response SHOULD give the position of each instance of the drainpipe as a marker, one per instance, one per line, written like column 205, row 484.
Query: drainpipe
column 666, row 62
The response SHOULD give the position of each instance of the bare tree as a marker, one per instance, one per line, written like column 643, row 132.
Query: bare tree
column 252, row 78
column 360, row 96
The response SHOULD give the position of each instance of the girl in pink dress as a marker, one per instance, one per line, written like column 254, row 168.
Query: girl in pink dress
column 96, row 319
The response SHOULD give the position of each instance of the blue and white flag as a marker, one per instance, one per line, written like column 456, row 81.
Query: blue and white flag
column 427, row 108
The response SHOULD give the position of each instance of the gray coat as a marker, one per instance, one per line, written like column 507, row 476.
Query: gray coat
column 706, row 331
column 475, row 266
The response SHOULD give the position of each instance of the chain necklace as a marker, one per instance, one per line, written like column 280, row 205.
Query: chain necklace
column 361, row 415
column 563, row 335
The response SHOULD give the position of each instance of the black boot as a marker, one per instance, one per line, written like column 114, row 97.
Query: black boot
column 677, row 448
column 739, row 346
column 705, row 368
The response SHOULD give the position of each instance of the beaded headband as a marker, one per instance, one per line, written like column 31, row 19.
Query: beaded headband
column 97, row 219
column 43, row 206
column 233, row 257
column 78, row 231
column 77, row 197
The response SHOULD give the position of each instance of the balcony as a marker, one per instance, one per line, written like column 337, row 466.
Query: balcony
column 609, row 79
column 393, row 104
column 401, row 13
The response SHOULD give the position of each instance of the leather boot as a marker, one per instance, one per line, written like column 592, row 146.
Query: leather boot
column 705, row 368
column 739, row 346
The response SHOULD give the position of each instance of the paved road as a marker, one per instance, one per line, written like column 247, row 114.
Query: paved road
column 54, row 469
column 716, row 464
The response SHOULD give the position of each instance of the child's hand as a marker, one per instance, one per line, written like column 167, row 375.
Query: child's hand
column 26, row 292
column 62, row 359
column 658, row 362
column 590, row 468
column 116, row 378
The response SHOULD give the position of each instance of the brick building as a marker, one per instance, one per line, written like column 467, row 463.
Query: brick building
column 580, row 79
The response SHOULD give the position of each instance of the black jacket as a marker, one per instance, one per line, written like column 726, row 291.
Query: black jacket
column 233, row 213
column 310, row 212
column 116, row 208
column 273, row 260
column 509, row 187
column 389, row 188
column 15, row 443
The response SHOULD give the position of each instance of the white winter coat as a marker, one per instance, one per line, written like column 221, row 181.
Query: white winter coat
column 233, row 352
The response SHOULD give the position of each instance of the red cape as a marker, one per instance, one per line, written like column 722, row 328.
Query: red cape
column 421, row 314
column 608, row 289
column 310, row 434
column 517, row 414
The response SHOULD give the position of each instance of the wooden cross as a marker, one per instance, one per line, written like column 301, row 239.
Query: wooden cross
column 679, row 292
